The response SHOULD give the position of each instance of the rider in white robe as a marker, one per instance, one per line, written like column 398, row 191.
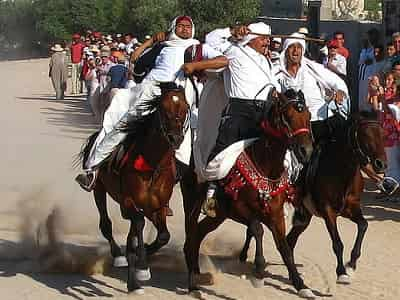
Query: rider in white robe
column 324, row 91
column 127, row 103
column 248, row 80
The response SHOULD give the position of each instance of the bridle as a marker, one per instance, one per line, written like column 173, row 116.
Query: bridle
column 283, row 129
column 174, row 140
column 353, row 140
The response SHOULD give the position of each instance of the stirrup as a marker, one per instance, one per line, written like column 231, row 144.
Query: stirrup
column 209, row 206
column 86, row 182
column 388, row 185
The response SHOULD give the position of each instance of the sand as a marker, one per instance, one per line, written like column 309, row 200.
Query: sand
column 40, row 137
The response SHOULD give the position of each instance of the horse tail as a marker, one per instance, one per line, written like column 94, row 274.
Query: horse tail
column 83, row 154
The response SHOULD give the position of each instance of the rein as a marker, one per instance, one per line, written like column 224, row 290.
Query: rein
column 355, row 143
column 284, row 133
column 173, row 138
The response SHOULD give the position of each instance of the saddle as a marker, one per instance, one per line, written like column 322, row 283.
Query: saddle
column 119, row 157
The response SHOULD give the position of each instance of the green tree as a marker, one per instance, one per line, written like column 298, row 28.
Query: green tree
column 210, row 14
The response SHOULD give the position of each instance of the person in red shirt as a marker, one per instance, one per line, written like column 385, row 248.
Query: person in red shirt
column 76, row 58
column 342, row 50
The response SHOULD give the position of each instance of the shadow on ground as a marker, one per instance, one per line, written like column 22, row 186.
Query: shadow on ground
column 71, row 115
column 379, row 209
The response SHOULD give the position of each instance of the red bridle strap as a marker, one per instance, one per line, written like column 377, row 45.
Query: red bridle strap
column 269, row 130
column 301, row 131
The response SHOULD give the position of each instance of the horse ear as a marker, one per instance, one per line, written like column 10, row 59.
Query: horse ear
column 273, row 95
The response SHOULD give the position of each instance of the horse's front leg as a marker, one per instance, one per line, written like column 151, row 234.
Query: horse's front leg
column 257, row 231
column 192, row 250
column 337, row 244
column 244, row 253
column 159, row 220
column 362, row 225
column 277, row 226
column 142, row 268
column 132, row 284
column 106, row 225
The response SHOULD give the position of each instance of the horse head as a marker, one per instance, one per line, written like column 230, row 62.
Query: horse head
column 290, row 119
column 173, row 113
column 366, row 139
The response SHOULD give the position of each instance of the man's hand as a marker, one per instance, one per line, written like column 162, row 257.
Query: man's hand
column 339, row 97
column 239, row 31
column 188, row 68
column 159, row 37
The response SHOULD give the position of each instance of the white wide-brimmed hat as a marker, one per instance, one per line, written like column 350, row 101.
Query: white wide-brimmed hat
column 57, row 48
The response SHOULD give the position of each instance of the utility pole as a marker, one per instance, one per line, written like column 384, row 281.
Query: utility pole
column 313, row 24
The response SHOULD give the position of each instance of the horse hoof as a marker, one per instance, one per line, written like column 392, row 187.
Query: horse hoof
column 256, row 282
column 343, row 279
column 120, row 262
column 350, row 271
column 306, row 294
column 143, row 275
column 196, row 294
column 203, row 279
column 139, row 291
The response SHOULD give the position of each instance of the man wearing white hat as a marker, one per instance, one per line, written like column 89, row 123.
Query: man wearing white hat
column 326, row 94
column 248, row 82
column 58, row 71
column 129, row 103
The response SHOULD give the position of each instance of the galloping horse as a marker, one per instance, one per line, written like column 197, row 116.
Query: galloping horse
column 286, row 124
column 337, row 186
column 145, row 182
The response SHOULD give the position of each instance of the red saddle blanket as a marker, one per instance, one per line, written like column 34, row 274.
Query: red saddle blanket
column 244, row 172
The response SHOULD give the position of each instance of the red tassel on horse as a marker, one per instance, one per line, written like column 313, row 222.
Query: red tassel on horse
column 141, row 165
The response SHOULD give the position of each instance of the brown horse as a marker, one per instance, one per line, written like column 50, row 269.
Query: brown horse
column 336, row 186
column 145, row 182
column 286, row 124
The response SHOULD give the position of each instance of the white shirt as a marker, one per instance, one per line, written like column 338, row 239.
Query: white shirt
column 249, row 74
column 170, row 60
column 313, row 80
column 339, row 62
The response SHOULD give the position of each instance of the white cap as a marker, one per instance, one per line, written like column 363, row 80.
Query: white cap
column 277, row 40
column 303, row 30
column 256, row 29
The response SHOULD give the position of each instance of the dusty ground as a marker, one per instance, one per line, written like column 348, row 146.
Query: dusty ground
column 39, row 139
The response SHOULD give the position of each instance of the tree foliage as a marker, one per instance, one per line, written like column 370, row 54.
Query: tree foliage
column 55, row 20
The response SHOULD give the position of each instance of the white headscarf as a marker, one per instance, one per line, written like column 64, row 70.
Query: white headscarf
column 176, row 41
column 296, row 38
column 256, row 29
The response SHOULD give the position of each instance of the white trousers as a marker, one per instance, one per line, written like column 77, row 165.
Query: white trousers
column 125, row 105
column 393, row 161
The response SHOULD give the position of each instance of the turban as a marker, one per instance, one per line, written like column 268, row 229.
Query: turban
column 293, row 39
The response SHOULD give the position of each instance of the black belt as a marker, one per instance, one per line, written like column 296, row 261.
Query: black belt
column 259, row 104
